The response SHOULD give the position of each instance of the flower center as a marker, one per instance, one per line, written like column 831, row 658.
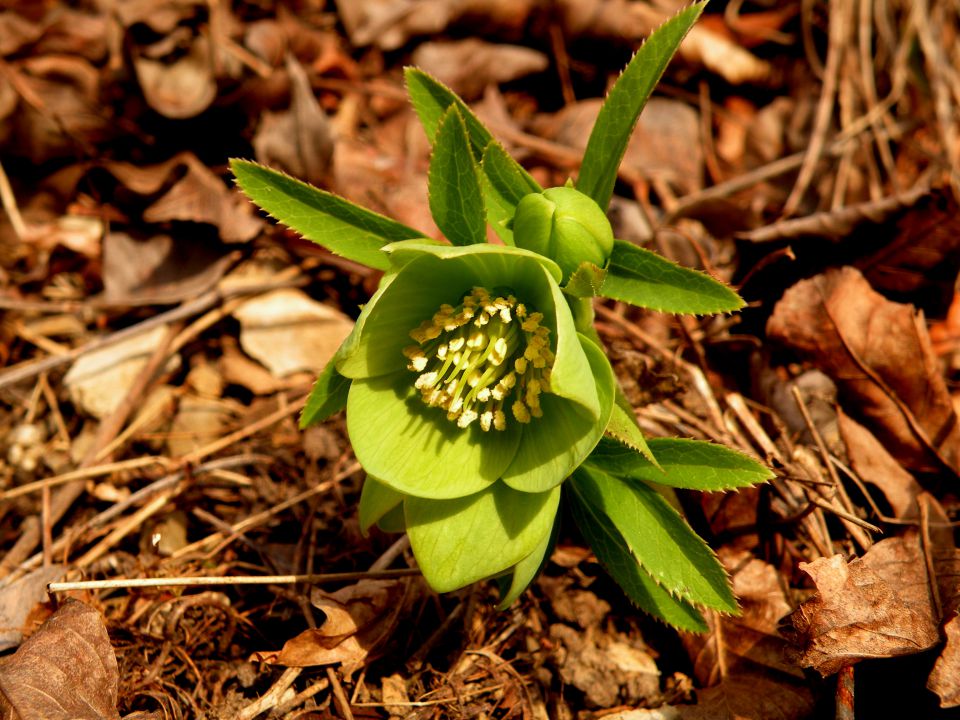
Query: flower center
column 475, row 358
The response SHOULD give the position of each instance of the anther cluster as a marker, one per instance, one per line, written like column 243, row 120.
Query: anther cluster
column 476, row 358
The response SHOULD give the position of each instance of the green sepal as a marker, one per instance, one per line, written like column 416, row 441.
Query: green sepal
column 340, row 226
column 658, row 537
column 456, row 200
column 586, row 281
column 376, row 502
column 457, row 542
column 683, row 463
column 328, row 396
column 614, row 554
column 553, row 446
column 393, row 521
column 513, row 584
column 644, row 278
column 621, row 109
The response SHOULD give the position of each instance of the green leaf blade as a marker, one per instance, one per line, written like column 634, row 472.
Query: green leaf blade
column 340, row 226
column 686, row 464
column 456, row 199
column 615, row 555
column 643, row 278
column 504, row 185
column 626, row 99
column 328, row 396
column 659, row 538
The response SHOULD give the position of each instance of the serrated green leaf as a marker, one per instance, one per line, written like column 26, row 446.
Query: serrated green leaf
column 328, row 396
column 342, row 227
column 618, row 115
column 431, row 99
column 659, row 538
column 643, row 278
column 503, row 187
column 688, row 464
column 585, row 281
column 623, row 428
column 614, row 553
column 456, row 200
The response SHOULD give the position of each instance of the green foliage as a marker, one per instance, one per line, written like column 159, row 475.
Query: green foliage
column 643, row 278
column 456, row 201
column 340, row 226
column 619, row 113
column 475, row 384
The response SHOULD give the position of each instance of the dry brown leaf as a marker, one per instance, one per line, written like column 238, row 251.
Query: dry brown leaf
column 98, row 380
column 388, row 24
column 182, row 88
column 201, row 196
column 287, row 331
column 359, row 619
column 944, row 679
column 468, row 66
column 750, row 696
column 66, row 671
column 876, row 606
column 18, row 600
column 871, row 461
column 665, row 144
column 299, row 140
column 879, row 354
column 159, row 270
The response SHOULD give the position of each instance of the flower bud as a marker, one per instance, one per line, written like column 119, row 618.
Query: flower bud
column 564, row 225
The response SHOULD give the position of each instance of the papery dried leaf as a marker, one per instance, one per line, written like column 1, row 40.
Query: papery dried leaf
column 468, row 66
column 201, row 196
column 66, row 671
column 944, row 679
column 182, row 88
column 876, row 606
column 751, row 696
column 19, row 598
column 870, row 459
column 879, row 354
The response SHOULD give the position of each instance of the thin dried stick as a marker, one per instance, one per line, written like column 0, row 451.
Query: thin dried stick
column 83, row 474
column 314, row 578
column 9, row 202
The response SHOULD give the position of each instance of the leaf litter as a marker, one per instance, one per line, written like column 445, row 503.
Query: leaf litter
column 793, row 151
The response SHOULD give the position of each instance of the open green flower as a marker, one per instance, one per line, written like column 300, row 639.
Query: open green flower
column 472, row 397
column 466, row 369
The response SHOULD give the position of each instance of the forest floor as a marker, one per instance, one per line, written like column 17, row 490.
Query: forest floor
column 159, row 337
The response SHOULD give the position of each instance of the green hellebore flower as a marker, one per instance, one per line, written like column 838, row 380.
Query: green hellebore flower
column 415, row 409
column 472, row 397
column 565, row 225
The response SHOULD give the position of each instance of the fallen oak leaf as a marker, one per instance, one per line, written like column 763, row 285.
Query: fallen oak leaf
column 876, row 606
column 65, row 671
column 879, row 354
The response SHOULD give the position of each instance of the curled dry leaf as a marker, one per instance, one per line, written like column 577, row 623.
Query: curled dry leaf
column 879, row 354
column 665, row 144
column 18, row 599
column 871, row 461
column 287, row 331
column 98, row 380
column 359, row 619
column 180, row 89
column 66, row 671
column 876, row 606
column 299, row 140
column 158, row 270
column 944, row 679
column 742, row 658
column 468, row 66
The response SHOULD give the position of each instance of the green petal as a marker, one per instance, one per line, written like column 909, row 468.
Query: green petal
column 571, row 376
column 429, row 276
column 526, row 570
column 414, row 449
column 457, row 542
column 376, row 501
column 555, row 445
